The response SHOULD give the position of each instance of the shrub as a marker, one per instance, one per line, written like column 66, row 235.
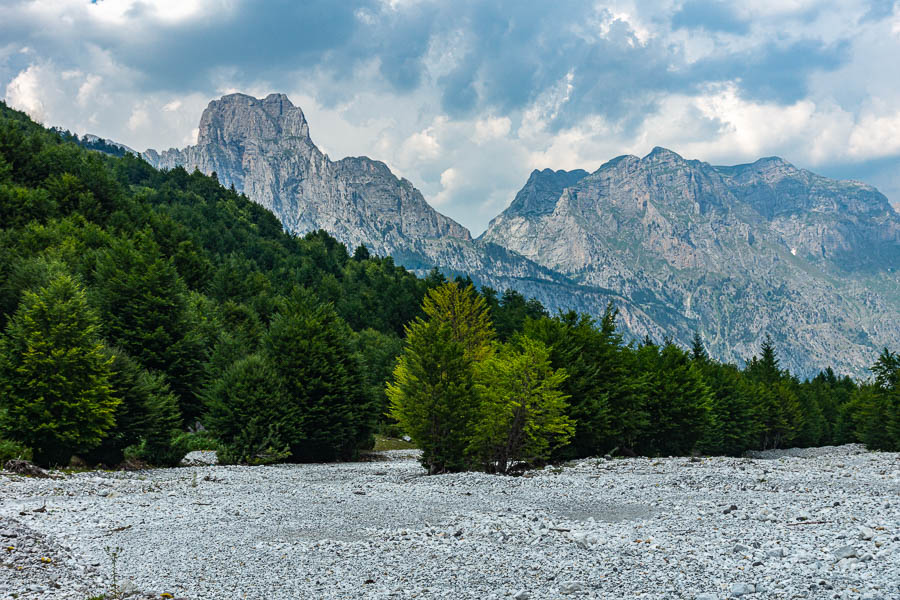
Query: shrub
column 10, row 450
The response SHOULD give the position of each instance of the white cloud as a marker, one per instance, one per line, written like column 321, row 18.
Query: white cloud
column 491, row 128
column 25, row 92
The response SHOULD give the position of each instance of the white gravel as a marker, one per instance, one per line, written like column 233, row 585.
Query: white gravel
column 822, row 527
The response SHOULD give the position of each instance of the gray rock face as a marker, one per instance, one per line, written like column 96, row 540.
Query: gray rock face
column 731, row 252
column 263, row 148
column 680, row 246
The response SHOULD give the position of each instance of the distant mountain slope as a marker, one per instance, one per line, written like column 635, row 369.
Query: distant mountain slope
column 733, row 252
column 264, row 149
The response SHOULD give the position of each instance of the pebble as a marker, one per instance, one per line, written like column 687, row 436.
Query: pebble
column 627, row 527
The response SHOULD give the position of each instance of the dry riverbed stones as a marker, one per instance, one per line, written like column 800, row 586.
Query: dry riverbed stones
column 821, row 524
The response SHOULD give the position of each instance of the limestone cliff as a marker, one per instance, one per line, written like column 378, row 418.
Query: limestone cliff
column 732, row 252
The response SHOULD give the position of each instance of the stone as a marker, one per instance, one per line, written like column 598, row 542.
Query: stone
column 865, row 533
column 742, row 589
column 844, row 552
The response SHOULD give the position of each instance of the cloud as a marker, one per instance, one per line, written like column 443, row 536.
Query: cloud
column 710, row 15
column 485, row 91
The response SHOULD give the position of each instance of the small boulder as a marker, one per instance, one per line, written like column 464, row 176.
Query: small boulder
column 845, row 552
column 742, row 589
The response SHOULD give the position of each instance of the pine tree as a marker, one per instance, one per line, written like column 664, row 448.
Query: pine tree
column 677, row 406
column 698, row 351
column 732, row 428
column 56, row 374
column 522, row 414
column 249, row 413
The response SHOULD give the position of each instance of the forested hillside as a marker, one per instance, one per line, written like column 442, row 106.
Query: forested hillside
column 136, row 304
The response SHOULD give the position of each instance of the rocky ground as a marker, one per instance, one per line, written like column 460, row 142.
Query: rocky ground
column 811, row 524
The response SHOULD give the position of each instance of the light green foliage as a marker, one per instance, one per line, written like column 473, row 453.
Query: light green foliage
column 10, row 450
column 55, row 374
column 465, row 313
column 432, row 393
column 522, row 413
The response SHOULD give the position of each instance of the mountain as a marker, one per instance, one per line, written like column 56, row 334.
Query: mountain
column 679, row 245
column 263, row 148
column 731, row 252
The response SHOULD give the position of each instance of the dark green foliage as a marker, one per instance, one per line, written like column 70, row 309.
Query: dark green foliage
column 247, row 411
column 148, row 413
column 143, row 304
column 377, row 354
column 308, row 346
column 196, row 285
column 303, row 391
column 55, row 374
column 591, row 359
column 677, row 401
column 511, row 312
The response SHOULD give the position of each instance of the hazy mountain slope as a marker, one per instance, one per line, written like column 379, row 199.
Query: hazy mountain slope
column 733, row 252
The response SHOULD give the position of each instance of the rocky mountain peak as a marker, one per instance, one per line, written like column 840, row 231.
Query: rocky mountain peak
column 660, row 154
column 543, row 189
column 238, row 118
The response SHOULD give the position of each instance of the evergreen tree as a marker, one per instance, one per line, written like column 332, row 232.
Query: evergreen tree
column 732, row 426
column 148, row 413
column 248, row 411
column 55, row 374
column 677, row 405
column 144, row 309
column 698, row 351
column 309, row 348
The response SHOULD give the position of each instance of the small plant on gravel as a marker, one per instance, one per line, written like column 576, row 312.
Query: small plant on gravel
column 116, row 592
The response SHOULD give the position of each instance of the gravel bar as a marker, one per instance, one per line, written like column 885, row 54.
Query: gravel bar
column 814, row 524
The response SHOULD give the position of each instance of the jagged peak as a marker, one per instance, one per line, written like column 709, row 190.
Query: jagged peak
column 659, row 152
column 241, row 116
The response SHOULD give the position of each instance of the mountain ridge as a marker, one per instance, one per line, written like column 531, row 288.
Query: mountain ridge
column 679, row 245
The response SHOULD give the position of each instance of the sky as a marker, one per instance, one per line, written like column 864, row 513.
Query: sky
column 465, row 98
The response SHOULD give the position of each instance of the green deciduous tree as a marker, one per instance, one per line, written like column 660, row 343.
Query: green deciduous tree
column 522, row 412
column 432, row 392
column 56, row 373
